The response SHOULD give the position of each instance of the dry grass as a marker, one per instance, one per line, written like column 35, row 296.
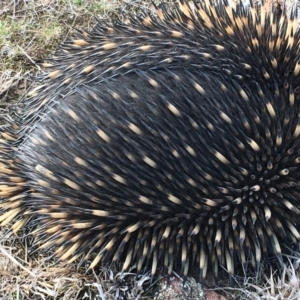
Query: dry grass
column 267, row 284
column 285, row 286
column 30, row 30
column 29, row 277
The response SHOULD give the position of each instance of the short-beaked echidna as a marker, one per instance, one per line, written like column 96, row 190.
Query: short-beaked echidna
column 168, row 140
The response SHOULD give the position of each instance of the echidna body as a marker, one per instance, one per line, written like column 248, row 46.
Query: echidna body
column 166, row 141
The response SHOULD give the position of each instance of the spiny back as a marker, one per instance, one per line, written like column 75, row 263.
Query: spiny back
column 211, row 37
column 170, row 139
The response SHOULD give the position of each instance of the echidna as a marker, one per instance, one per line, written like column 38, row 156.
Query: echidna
column 169, row 140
